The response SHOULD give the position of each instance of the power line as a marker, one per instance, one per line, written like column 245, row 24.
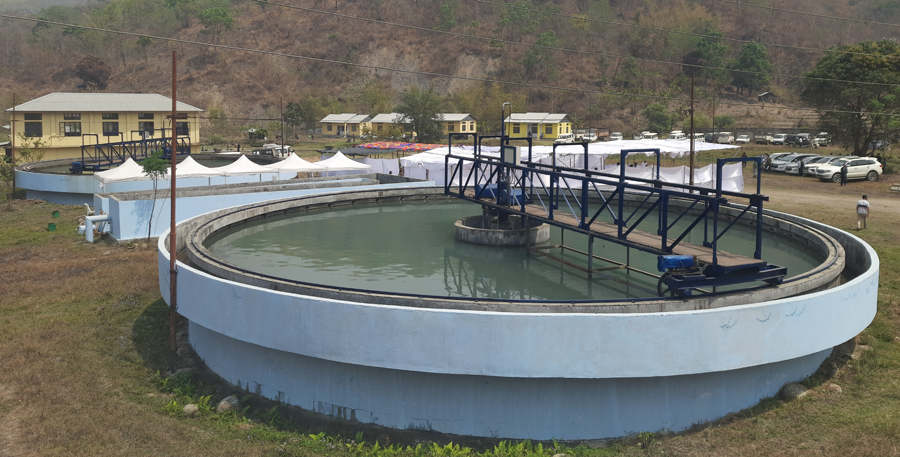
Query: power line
column 575, row 51
column 398, row 70
column 678, row 32
column 825, row 16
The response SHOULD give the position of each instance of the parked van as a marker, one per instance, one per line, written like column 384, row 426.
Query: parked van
column 649, row 136
column 677, row 135
column 699, row 138
column 564, row 138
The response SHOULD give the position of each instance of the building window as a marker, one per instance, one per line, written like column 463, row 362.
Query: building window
column 110, row 129
column 449, row 127
column 329, row 127
column 34, row 129
column 72, row 117
column 146, row 127
column 463, row 126
column 70, row 129
column 33, row 116
column 182, row 129
column 110, row 115
column 352, row 128
column 516, row 128
column 145, row 115
column 548, row 130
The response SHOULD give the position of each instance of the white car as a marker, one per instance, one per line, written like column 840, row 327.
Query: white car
column 810, row 167
column 857, row 168
column 793, row 167
column 616, row 136
column 780, row 163
column 677, row 135
column 743, row 139
column 589, row 137
column 779, row 139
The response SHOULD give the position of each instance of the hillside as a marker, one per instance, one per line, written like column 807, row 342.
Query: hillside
column 584, row 69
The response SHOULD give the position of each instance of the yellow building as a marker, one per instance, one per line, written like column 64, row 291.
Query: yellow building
column 66, row 121
column 386, row 121
column 346, row 124
column 458, row 123
column 538, row 125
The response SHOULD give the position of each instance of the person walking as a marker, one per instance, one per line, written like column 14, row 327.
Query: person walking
column 862, row 212
column 800, row 170
column 844, row 174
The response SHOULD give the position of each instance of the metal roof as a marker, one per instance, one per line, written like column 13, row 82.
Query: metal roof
column 537, row 118
column 457, row 117
column 345, row 118
column 92, row 102
column 389, row 118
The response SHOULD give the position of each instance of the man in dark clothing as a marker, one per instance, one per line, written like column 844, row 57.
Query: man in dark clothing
column 844, row 173
column 801, row 169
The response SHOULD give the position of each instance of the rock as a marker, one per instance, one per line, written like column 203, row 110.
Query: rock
column 832, row 387
column 191, row 410
column 793, row 391
column 859, row 350
column 229, row 403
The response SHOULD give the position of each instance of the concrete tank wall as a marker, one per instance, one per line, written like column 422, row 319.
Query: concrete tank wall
column 517, row 374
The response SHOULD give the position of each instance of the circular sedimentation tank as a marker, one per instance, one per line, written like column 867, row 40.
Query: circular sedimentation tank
column 363, row 306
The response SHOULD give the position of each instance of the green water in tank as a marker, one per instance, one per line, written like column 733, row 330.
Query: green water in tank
column 410, row 248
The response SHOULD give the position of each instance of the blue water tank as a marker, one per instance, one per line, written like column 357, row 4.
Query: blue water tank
column 667, row 262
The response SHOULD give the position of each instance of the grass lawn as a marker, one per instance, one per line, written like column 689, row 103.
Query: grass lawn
column 84, row 334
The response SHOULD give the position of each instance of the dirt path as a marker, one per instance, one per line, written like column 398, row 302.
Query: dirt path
column 806, row 196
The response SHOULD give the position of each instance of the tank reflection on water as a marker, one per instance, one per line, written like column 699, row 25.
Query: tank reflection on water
column 410, row 248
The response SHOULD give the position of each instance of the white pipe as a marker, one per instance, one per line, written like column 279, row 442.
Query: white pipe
column 89, row 225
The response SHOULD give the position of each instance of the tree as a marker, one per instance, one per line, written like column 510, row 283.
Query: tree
column 94, row 72
column 304, row 112
column 447, row 17
column 216, row 20
column 857, row 114
column 540, row 59
column 155, row 167
column 709, row 52
column 659, row 118
column 421, row 111
column 184, row 10
column 28, row 150
column 750, row 70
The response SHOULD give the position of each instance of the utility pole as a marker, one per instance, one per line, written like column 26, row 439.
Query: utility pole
column 12, row 146
column 692, row 132
column 173, row 274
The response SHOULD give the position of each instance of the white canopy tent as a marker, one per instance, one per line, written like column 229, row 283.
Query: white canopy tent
column 340, row 162
column 128, row 171
column 242, row 166
column 189, row 168
column 294, row 164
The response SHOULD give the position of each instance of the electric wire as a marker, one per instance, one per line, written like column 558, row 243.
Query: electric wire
column 678, row 32
column 570, row 50
column 416, row 72
column 805, row 13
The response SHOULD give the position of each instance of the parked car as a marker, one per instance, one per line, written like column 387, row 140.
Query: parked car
column 810, row 167
column 857, row 168
column 743, row 139
column 616, row 136
column 798, row 140
column 763, row 138
column 781, row 163
column 779, row 138
column 677, row 135
column 709, row 137
column 725, row 138
column 822, row 139
column 564, row 138
column 589, row 137
column 699, row 138
column 793, row 167
column 645, row 135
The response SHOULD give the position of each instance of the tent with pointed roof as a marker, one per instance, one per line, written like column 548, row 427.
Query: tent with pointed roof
column 189, row 168
column 128, row 171
column 294, row 164
column 243, row 166
column 340, row 162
